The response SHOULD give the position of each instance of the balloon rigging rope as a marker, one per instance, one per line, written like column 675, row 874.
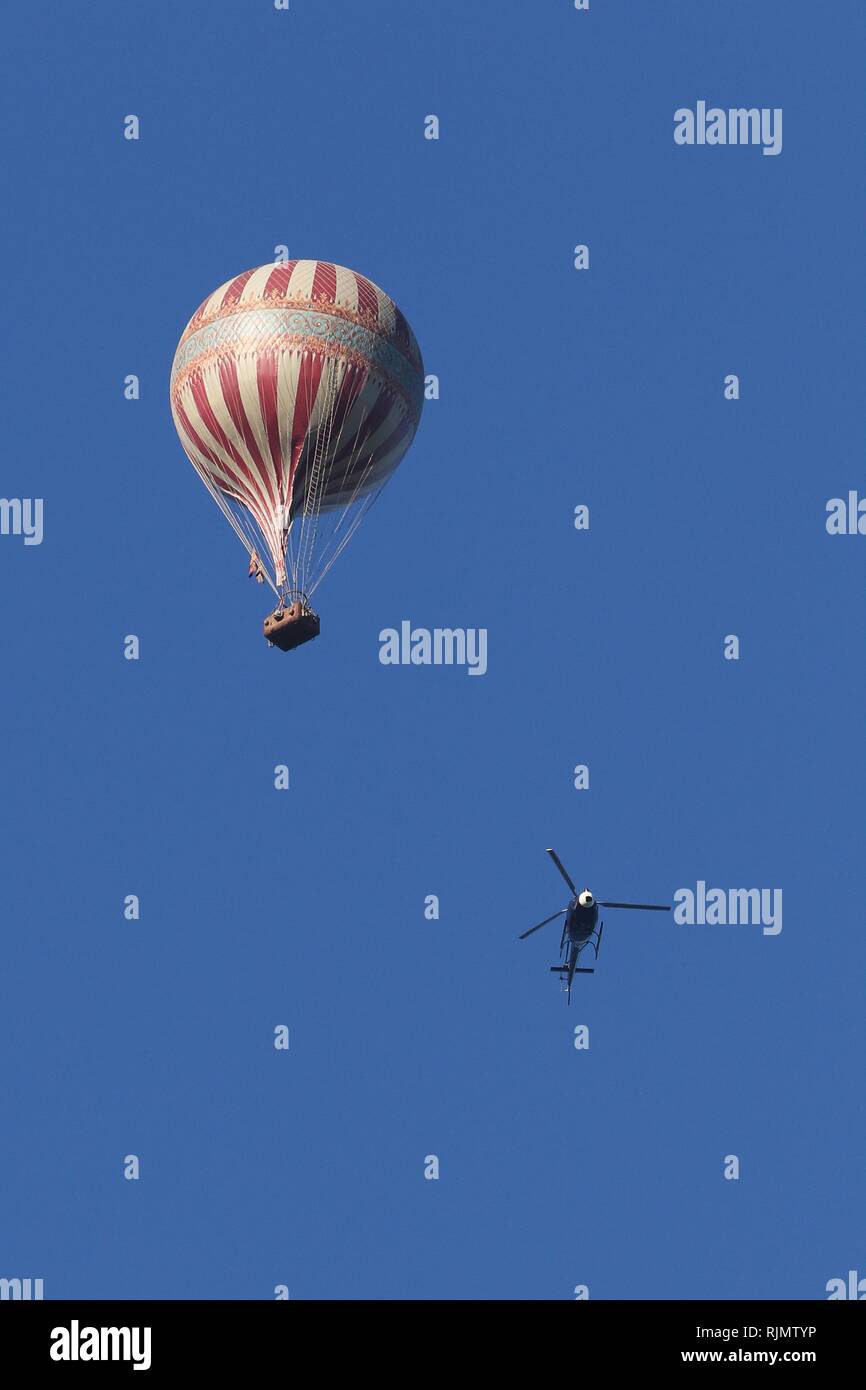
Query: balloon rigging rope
column 318, row 477
column 332, row 452
column 296, row 554
column 353, row 456
column 300, row 565
column 310, row 568
column 241, row 524
column 369, row 500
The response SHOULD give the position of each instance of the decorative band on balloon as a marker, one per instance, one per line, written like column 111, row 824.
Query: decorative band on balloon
column 291, row 327
column 399, row 332
column 403, row 340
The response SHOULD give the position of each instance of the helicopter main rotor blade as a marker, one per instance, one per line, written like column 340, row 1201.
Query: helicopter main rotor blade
column 525, row 934
column 641, row 907
column 558, row 862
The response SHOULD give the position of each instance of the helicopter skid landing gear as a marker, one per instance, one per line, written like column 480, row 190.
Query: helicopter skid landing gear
column 596, row 944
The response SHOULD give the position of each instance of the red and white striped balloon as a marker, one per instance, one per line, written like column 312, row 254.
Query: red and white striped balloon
column 296, row 390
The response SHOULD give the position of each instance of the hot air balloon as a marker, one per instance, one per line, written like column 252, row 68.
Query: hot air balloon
column 296, row 389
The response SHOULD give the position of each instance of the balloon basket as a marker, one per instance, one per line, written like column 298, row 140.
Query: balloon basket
column 290, row 625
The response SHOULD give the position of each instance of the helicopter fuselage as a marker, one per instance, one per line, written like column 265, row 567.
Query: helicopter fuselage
column 581, row 919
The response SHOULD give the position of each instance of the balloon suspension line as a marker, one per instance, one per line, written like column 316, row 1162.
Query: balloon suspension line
column 242, row 526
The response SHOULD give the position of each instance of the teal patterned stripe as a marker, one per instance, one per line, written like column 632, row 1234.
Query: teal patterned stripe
column 251, row 327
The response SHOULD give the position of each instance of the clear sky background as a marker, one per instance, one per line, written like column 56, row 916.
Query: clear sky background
column 306, row 908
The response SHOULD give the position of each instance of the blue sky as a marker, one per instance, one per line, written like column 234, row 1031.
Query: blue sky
column 408, row 1037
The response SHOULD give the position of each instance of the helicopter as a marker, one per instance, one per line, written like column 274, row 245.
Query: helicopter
column 581, row 927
